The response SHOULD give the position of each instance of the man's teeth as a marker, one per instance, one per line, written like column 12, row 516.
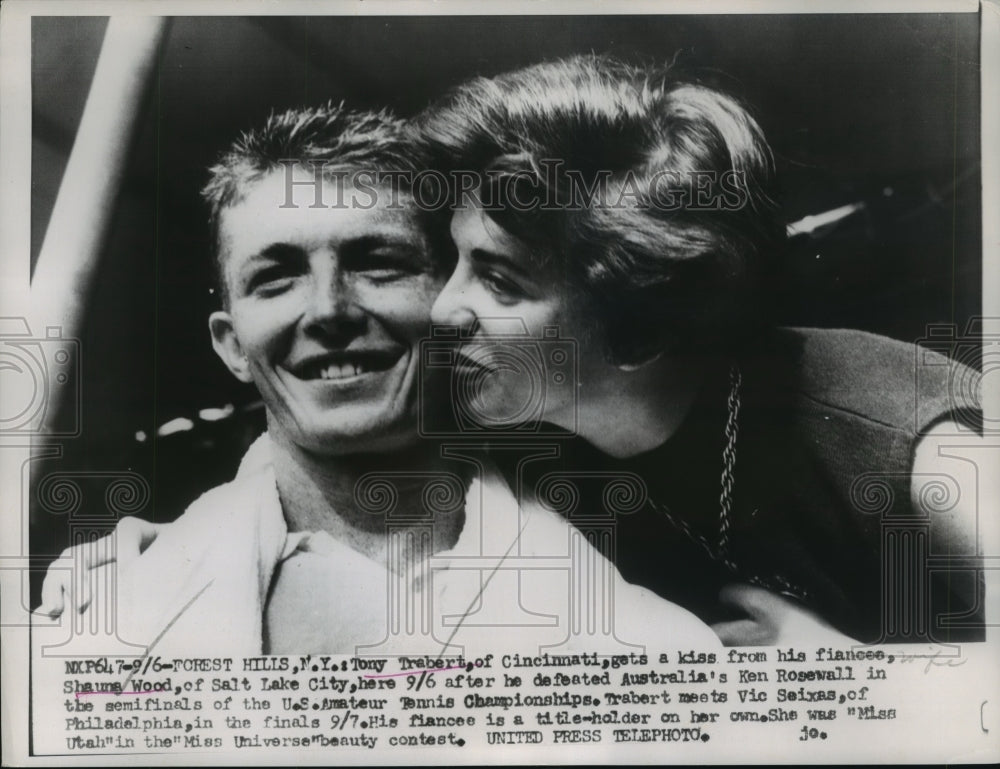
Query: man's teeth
column 341, row 371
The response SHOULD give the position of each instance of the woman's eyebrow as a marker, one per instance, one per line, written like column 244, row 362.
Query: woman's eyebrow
column 492, row 257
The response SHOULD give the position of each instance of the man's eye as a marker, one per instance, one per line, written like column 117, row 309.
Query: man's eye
column 391, row 265
column 270, row 280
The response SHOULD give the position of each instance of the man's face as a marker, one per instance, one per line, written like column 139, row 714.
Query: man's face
column 326, row 310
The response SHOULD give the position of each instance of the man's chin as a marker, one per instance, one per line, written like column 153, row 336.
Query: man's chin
column 344, row 440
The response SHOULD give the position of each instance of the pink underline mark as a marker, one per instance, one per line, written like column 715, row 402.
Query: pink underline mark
column 122, row 694
column 416, row 672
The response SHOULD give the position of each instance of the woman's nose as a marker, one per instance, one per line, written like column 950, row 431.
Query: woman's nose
column 452, row 306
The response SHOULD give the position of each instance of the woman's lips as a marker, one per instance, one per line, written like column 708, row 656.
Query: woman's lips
column 474, row 362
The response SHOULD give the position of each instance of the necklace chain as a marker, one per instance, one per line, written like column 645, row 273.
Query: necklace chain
column 720, row 552
column 728, row 464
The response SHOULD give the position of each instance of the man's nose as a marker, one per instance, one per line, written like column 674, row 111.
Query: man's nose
column 452, row 307
column 333, row 303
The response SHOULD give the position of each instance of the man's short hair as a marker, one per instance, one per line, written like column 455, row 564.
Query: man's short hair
column 330, row 137
column 669, row 235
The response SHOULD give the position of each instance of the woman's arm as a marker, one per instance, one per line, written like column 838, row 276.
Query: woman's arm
column 773, row 620
column 954, row 478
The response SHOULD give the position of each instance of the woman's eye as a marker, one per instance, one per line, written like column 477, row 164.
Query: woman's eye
column 503, row 288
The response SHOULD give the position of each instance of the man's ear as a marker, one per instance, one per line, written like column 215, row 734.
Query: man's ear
column 227, row 346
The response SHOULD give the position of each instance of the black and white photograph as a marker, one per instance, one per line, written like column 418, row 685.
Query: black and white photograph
column 418, row 383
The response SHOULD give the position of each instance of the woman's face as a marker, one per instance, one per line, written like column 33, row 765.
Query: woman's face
column 524, row 341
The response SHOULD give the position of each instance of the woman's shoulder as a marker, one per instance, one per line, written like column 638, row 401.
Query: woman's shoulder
column 864, row 376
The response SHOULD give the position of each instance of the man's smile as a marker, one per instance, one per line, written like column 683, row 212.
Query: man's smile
column 346, row 364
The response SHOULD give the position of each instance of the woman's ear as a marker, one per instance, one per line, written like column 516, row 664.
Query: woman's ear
column 636, row 365
column 227, row 346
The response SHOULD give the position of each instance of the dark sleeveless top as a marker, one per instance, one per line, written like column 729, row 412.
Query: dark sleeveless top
column 826, row 433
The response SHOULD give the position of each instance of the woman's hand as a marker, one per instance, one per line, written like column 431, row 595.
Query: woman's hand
column 129, row 539
column 773, row 620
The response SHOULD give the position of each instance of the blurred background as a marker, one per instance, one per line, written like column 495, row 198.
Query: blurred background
column 873, row 109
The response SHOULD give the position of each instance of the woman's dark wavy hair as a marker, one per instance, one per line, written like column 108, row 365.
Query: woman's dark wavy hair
column 661, row 273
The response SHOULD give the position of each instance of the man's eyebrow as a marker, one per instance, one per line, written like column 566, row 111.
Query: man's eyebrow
column 278, row 252
column 492, row 257
column 400, row 242
column 373, row 240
